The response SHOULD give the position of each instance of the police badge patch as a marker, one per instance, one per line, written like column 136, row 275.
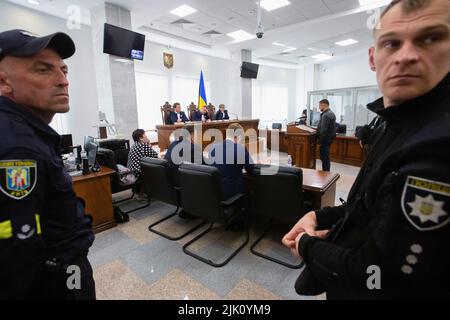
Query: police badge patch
column 18, row 178
column 426, row 203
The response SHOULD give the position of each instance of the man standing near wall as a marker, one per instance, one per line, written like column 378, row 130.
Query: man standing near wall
column 45, row 235
column 326, row 131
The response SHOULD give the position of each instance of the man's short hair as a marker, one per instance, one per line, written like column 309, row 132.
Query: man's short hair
column 176, row 104
column 325, row 101
column 407, row 7
column 221, row 105
column 138, row 134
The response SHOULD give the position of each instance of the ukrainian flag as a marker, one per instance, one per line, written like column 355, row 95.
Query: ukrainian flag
column 202, row 102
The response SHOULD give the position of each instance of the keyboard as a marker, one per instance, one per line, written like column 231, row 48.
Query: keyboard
column 75, row 173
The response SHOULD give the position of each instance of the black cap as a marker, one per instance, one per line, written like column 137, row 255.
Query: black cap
column 21, row 43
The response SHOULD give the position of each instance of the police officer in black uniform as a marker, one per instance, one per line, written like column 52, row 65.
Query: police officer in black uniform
column 44, row 233
column 391, row 239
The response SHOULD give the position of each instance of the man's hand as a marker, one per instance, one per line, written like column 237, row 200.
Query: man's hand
column 306, row 225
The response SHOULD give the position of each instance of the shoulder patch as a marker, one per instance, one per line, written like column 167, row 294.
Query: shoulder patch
column 426, row 203
column 17, row 178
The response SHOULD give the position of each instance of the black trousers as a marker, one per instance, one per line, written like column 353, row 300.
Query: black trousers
column 325, row 156
column 55, row 284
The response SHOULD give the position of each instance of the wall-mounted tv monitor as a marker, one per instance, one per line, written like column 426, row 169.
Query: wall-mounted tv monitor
column 249, row 70
column 123, row 43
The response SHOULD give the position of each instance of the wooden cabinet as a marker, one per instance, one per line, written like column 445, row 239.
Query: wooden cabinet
column 346, row 150
column 283, row 141
column 95, row 190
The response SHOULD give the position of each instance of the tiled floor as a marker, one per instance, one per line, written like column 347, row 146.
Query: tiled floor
column 132, row 263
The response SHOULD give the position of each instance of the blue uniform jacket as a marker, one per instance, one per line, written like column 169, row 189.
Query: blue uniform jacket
column 40, row 215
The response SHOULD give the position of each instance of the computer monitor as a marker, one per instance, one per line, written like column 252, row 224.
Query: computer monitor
column 87, row 140
column 315, row 118
column 91, row 150
column 66, row 144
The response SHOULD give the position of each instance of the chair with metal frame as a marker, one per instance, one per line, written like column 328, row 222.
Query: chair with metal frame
column 278, row 196
column 158, row 185
column 211, row 206
column 111, row 153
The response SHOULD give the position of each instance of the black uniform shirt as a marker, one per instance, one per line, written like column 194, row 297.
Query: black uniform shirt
column 397, row 216
column 40, row 215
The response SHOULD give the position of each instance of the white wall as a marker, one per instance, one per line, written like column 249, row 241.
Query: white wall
column 216, row 73
column 351, row 72
column 278, row 77
column 83, row 113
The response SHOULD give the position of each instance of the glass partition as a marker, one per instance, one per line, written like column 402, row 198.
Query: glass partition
column 349, row 105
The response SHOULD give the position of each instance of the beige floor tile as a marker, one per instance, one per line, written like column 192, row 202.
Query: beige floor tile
column 247, row 290
column 114, row 281
column 138, row 229
column 176, row 285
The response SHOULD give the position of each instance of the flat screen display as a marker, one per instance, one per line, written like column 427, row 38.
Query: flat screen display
column 249, row 70
column 66, row 144
column 123, row 43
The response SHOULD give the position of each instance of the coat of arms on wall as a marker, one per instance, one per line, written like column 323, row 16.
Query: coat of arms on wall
column 168, row 60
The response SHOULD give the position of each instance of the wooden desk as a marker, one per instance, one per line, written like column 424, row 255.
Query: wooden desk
column 95, row 189
column 321, row 187
column 346, row 149
column 165, row 131
column 282, row 139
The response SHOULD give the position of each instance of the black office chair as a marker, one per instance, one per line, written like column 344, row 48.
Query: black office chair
column 196, row 180
column 157, row 184
column 110, row 154
column 278, row 197
column 277, row 126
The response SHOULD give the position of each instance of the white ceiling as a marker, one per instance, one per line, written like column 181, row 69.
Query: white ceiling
column 314, row 24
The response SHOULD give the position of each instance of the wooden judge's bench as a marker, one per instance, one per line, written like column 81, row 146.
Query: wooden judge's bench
column 165, row 131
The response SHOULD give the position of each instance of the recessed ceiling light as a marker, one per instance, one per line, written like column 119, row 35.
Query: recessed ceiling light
column 322, row 57
column 278, row 44
column 241, row 35
column 290, row 49
column 35, row 2
column 347, row 42
column 368, row 2
column 270, row 5
column 183, row 11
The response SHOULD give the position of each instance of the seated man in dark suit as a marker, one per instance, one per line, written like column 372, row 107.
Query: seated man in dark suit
column 201, row 115
column 230, row 157
column 222, row 114
column 177, row 116
column 176, row 153
column 182, row 150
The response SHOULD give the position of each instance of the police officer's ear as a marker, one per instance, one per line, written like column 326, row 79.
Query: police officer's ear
column 372, row 59
column 5, row 86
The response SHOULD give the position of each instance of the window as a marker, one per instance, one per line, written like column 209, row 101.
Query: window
column 270, row 104
column 58, row 123
column 152, row 91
